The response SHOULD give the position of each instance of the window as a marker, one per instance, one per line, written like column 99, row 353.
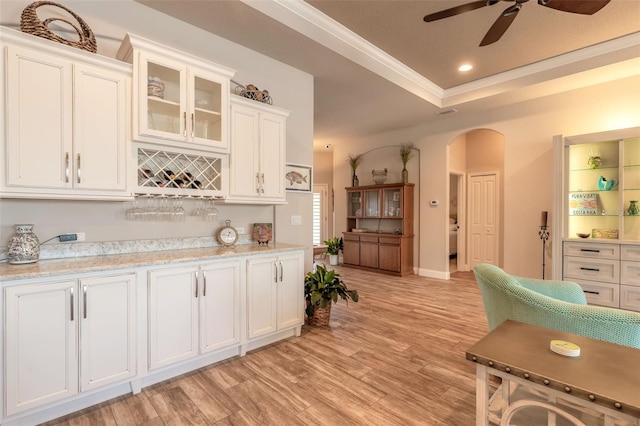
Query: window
column 320, row 219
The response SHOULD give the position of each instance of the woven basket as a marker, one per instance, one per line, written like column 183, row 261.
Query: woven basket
column 31, row 24
column 321, row 316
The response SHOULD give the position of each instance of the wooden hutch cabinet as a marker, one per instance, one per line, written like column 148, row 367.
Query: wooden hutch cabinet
column 379, row 234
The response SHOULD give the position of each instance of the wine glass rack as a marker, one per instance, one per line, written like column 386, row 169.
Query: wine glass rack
column 175, row 173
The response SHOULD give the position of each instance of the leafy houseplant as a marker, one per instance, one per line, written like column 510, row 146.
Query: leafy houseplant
column 334, row 245
column 321, row 288
column 406, row 152
column 354, row 161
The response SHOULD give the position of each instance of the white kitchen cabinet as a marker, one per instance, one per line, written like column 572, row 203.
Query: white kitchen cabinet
column 179, row 100
column 65, row 337
column 193, row 310
column 66, row 122
column 257, row 160
column 275, row 294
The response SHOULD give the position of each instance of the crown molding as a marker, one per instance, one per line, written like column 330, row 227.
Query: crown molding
column 305, row 19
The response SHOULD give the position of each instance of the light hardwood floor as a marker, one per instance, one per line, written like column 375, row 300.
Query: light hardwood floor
column 394, row 358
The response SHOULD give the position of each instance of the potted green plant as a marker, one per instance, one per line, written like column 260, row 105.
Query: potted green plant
column 406, row 152
column 323, row 287
column 354, row 161
column 334, row 245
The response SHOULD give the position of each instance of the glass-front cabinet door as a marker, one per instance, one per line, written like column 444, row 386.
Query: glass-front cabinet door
column 372, row 201
column 182, row 103
column 354, row 204
column 631, row 190
column 392, row 202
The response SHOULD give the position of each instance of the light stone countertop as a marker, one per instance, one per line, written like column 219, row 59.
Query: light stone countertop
column 52, row 267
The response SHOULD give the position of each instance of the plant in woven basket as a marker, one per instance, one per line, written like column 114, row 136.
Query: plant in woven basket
column 321, row 288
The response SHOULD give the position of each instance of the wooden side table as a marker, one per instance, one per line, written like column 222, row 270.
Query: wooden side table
column 605, row 377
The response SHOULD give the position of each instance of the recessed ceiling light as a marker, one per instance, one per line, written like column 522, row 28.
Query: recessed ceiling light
column 465, row 67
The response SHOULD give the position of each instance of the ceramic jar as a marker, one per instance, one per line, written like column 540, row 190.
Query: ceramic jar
column 633, row 208
column 379, row 176
column 23, row 246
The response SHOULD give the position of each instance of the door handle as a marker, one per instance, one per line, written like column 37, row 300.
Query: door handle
column 204, row 283
column 195, row 274
column 281, row 271
column 66, row 167
column 79, row 171
column 71, row 302
column 84, row 302
column 193, row 126
column 184, row 118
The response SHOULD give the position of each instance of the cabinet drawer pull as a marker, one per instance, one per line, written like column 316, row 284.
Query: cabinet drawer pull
column 195, row 274
column 66, row 167
column 590, row 250
column 589, row 269
column 204, row 283
column 257, row 183
column 591, row 292
column 262, row 186
column 281, row 272
column 84, row 302
column 275, row 275
column 71, row 299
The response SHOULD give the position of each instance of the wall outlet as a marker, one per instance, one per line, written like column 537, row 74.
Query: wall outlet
column 296, row 220
column 81, row 236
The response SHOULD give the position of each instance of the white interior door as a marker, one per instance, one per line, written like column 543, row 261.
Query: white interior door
column 483, row 218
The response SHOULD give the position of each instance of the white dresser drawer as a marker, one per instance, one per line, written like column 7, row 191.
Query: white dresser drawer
column 630, row 273
column 603, row 294
column 582, row 268
column 592, row 250
column 630, row 298
column 630, row 252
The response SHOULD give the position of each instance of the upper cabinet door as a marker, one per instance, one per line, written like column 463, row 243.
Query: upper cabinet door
column 38, row 120
column 100, row 129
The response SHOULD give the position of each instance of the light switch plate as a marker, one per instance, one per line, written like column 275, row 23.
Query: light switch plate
column 296, row 220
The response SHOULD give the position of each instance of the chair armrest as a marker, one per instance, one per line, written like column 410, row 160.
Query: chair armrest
column 561, row 290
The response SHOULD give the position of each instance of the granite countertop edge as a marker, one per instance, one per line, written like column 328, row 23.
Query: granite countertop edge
column 78, row 265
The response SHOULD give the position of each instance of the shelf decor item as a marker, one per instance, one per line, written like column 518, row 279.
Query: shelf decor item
column 354, row 161
column 263, row 233
column 323, row 287
column 594, row 162
column 253, row 93
column 606, row 185
column 23, row 246
column 406, row 153
column 633, row 208
column 31, row 24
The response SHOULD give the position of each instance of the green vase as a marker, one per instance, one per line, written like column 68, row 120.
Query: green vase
column 633, row 208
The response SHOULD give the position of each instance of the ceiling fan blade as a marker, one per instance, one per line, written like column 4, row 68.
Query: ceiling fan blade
column 457, row 10
column 583, row 7
column 501, row 25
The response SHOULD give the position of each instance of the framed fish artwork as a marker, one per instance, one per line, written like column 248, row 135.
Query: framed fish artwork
column 298, row 178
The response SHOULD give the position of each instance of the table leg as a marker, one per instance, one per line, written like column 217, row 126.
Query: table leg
column 482, row 395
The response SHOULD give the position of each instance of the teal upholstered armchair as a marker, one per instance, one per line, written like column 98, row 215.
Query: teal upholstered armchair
column 558, row 305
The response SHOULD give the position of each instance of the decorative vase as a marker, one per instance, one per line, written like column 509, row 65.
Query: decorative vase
column 354, row 180
column 379, row 176
column 333, row 259
column 23, row 246
column 321, row 316
column 405, row 175
column 633, row 208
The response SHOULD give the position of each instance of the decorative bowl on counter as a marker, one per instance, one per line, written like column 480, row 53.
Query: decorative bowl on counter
column 582, row 235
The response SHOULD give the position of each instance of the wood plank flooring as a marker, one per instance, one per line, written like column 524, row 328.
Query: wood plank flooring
column 394, row 358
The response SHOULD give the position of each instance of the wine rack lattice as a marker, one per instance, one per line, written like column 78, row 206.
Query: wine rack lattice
column 176, row 172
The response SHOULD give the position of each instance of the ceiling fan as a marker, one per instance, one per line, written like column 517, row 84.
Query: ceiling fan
column 499, row 27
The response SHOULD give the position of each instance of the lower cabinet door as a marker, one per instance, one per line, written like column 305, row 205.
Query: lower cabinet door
column 173, row 316
column 389, row 257
column 351, row 252
column 262, row 278
column 107, row 330
column 220, row 305
column 40, row 343
column 290, row 291
column 369, row 254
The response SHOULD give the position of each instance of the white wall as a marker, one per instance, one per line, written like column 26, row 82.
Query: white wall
column 290, row 88
column 528, row 128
